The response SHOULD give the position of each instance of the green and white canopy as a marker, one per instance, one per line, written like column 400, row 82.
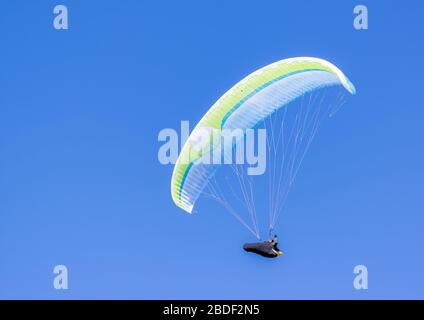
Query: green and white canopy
column 244, row 106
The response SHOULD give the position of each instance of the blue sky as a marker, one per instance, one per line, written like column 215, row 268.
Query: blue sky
column 80, row 183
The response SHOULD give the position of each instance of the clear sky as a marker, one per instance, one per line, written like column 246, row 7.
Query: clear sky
column 80, row 183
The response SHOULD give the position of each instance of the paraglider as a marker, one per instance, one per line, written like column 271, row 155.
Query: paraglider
column 268, row 249
column 250, row 103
